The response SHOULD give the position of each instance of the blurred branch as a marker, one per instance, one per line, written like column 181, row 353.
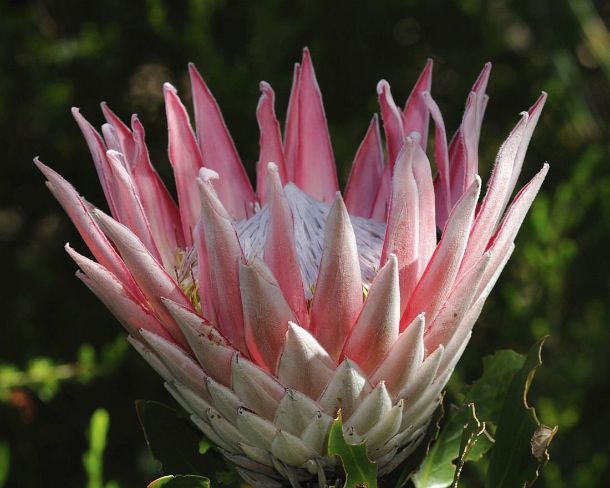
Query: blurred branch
column 44, row 376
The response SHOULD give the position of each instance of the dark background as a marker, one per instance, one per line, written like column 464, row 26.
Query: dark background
column 62, row 354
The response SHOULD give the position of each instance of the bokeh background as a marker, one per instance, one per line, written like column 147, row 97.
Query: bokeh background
column 62, row 355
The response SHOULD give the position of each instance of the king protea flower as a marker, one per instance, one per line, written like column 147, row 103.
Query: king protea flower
column 267, row 311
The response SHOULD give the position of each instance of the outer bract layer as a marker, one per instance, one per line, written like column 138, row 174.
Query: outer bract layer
column 265, row 312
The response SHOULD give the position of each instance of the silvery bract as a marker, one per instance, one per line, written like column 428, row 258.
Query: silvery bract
column 265, row 312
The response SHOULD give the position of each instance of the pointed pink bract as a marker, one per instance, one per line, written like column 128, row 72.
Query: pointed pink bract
column 366, row 173
column 338, row 294
column 223, row 254
column 315, row 171
column 271, row 148
column 218, row 150
column 280, row 249
column 186, row 160
column 415, row 116
column 392, row 122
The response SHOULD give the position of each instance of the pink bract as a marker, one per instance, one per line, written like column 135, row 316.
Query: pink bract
column 266, row 311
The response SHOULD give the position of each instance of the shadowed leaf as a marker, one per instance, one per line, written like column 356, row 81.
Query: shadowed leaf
column 521, row 441
column 175, row 443
column 473, row 444
column 489, row 391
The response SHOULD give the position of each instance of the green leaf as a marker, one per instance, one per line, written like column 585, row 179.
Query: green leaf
column 180, row 481
column 487, row 393
column 473, row 444
column 521, row 441
column 175, row 443
column 438, row 470
column 360, row 471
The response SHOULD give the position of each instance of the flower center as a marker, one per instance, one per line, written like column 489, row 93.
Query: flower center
column 309, row 217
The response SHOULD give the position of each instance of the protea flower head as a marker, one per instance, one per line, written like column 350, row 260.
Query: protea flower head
column 266, row 311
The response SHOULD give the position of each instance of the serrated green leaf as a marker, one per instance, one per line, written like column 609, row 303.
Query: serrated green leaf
column 174, row 442
column 481, row 447
column 521, row 441
column 360, row 471
column 437, row 469
column 180, row 481
column 472, row 433
column 487, row 393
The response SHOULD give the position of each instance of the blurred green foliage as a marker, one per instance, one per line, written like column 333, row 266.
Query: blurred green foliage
column 55, row 54
column 42, row 377
column 93, row 459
